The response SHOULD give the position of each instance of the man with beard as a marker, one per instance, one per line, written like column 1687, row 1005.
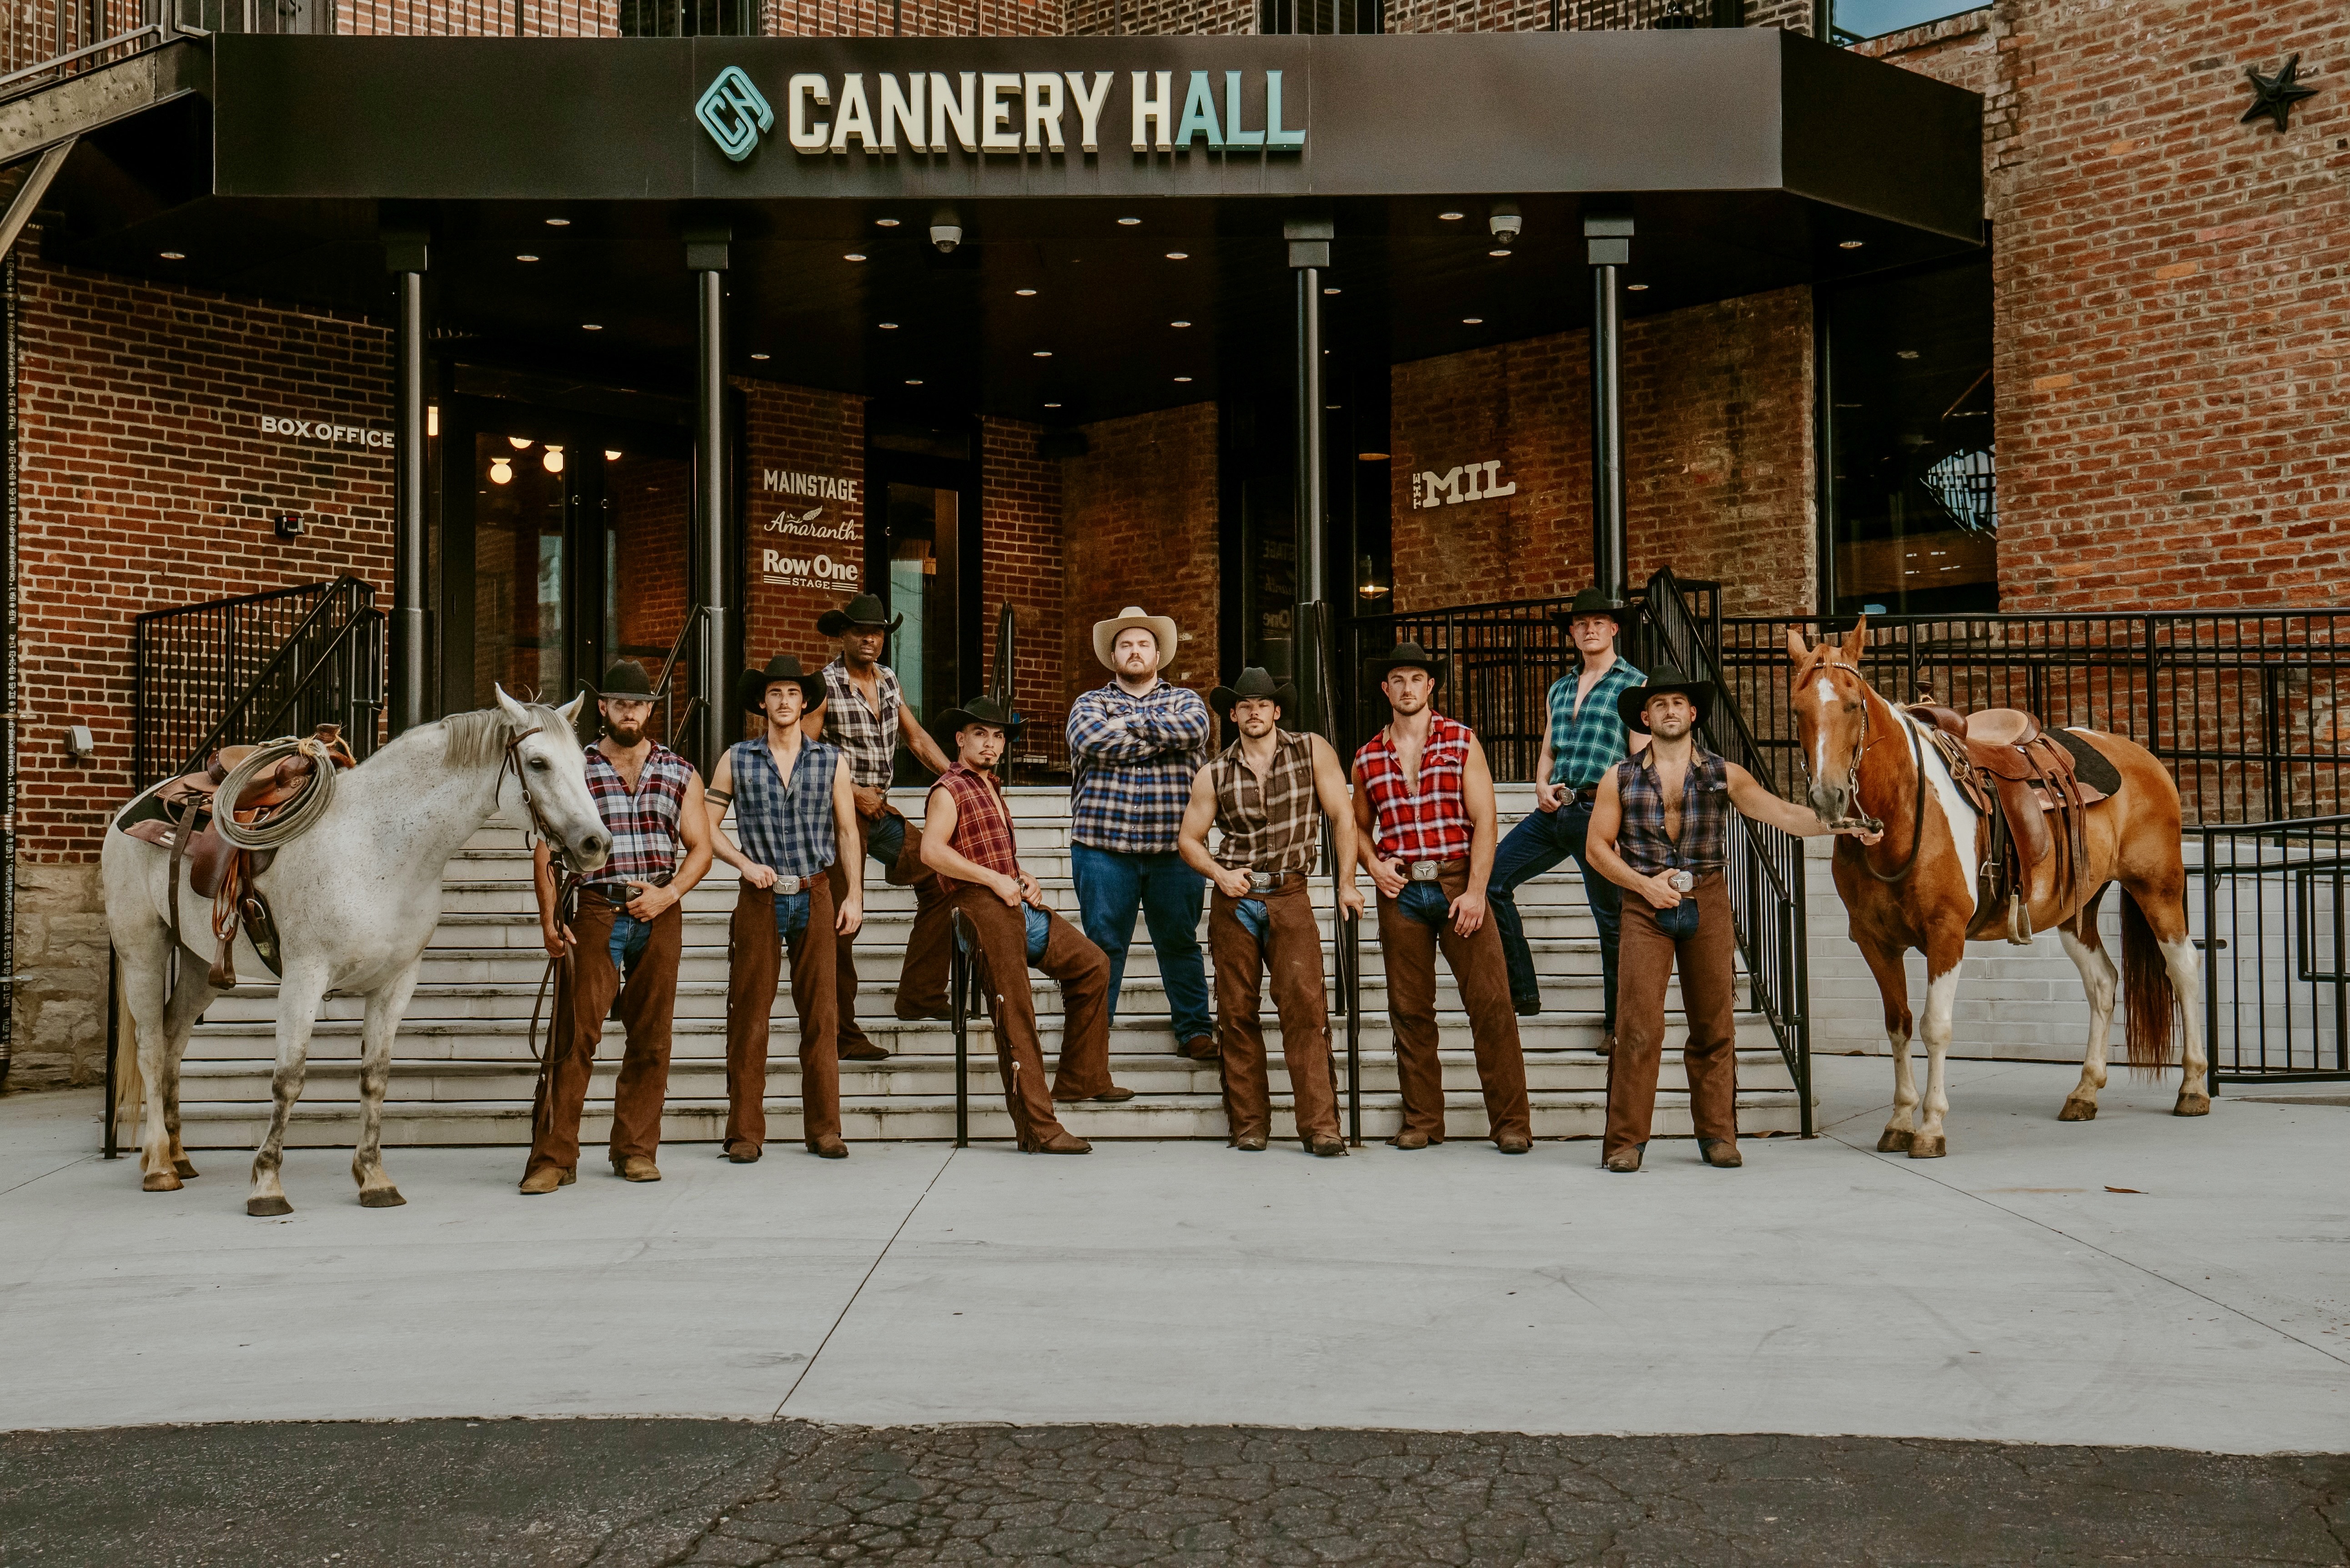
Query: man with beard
column 967, row 839
column 627, row 923
column 1259, row 794
column 1425, row 828
column 796, row 811
column 864, row 714
column 1662, row 827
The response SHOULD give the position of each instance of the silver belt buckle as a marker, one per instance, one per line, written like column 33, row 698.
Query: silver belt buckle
column 789, row 885
column 1264, row 881
column 1684, row 882
column 1423, row 870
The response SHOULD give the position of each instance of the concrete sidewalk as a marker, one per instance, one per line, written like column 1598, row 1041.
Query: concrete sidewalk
column 2006, row 1292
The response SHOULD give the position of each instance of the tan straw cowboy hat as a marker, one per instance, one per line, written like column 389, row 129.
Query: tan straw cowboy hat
column 1158, row 626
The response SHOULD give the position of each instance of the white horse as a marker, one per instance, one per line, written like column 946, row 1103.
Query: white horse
column 357, row 898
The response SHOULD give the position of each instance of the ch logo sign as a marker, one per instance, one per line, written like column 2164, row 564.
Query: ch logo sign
column 734, row 113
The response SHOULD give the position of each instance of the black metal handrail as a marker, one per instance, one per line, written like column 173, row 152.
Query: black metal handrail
column 1766, row 863
column 959, row 996
column 1337, row 840
column 239, row 671
column 2276, row 950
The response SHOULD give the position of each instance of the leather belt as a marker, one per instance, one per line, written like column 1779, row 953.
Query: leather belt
column 1264, row 881
column 1425, row 871
column 787, row 886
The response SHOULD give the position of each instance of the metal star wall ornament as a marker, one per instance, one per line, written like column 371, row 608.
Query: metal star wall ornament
column 2275, row 96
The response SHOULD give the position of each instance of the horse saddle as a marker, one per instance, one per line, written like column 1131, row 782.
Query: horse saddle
column 2020, row 776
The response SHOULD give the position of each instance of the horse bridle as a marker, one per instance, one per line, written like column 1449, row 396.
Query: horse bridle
column 545, row 835
column 1852, row 782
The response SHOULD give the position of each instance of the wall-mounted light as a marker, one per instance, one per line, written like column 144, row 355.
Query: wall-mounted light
column 501, row 471
column 80, row 745
column 611, row 456
column 432, row 418
column 553, row 461
column 520, row 443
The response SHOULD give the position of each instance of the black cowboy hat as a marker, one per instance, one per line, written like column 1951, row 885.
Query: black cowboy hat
column 625, row 679
column 1591, row 601
column 1253, row 683
column 1633, row 700
column 862, row 611
column 783, row 667
column 978, row 710
column 1405, row 656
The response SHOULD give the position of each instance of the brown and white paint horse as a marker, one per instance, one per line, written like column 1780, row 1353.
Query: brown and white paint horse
column 1866, row 757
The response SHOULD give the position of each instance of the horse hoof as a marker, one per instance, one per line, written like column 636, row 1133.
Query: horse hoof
column 1893, row 1141
column 267, row 1208
column 2077, row 1109
column 382, row 1198
column 158, row 1181
column 1925, row 1148
column 184, row 1167
column 2192, row 1105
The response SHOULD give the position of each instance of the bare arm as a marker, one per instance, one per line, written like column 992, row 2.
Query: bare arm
column 1752, row 800
column 938, row 853
column 1192, row 838
column 1547, row 795
column 721, row 794
column 1330, row 789
column 851, row 913
column 1484, row 838
column 926, row 751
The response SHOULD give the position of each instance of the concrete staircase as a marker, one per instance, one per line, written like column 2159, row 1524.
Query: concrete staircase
column 463, row 1074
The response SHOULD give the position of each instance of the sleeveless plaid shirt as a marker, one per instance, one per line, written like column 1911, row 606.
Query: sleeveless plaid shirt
column 1433, row 825
column 787, row 827
column 643, row 825
column 983, row 830
column 1705, row 815
column 1268, row 825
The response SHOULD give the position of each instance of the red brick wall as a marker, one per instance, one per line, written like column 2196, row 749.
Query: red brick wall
column 1021, row 561
column 1139, row 512
column 799, row 430
column 913, row 19
column 1151, row 18
column 146, row 481
column 1717, row 451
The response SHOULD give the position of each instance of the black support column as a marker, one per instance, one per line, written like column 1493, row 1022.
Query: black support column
column 1609, row 242
column 1309, row 253
column 706, row 256
column 405, row 254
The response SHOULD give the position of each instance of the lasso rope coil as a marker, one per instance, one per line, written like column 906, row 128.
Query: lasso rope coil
column 297, row 816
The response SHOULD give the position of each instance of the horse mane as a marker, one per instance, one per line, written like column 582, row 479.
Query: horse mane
column 478, row 737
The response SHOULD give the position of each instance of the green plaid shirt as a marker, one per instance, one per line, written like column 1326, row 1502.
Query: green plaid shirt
column 1583, row 746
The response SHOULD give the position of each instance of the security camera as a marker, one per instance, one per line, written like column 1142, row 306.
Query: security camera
column 946, row 236
column 1505, row 227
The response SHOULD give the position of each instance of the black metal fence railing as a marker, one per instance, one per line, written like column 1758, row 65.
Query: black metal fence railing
column 2241, row 706
column 2276, row 955
column 235, row 671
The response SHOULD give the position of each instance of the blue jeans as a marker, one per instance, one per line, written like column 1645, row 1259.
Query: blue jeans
column 1425, row 902
column 1111, row 888
column 1039, row 932
column 886, row 840
column 1533, row 848
column 1255, row 918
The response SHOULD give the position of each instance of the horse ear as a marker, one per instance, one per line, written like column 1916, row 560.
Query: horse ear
column 1796, row 648
column 1855, row 641
column 570, row 710
column 516, row 714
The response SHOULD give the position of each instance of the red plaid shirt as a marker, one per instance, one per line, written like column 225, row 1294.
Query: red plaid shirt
column 1434, row 824
column 982, row 832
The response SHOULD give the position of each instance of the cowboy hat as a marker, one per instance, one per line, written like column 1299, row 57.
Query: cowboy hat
column 783, row 667
column 1405, row 656
column 1158, row 626
column 1591, row 601
column 978, row 710
column 1253, row 684
column 1633, row 701
column 862, row 611
column 625, row 680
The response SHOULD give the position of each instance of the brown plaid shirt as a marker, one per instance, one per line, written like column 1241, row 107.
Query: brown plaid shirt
column 982, row 831
column 870, row 739
column 1269, row 825
column 1705, row 815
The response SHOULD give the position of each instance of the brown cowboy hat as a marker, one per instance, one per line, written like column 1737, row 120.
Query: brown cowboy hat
column 783, row 667
column 1253, row 683
column 1633, row 701
column 946, row 725
column 1158, row 626
column 862, row 611
column 1405, row 655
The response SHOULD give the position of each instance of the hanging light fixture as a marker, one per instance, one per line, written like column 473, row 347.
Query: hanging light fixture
column 520, row 443
column 611, row 456
column 501, row 471
column 553, row 461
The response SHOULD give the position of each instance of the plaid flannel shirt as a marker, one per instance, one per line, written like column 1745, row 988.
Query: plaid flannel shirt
column 1433, row 822
column 869, row 738
column 1131, row 760
column 1705, row 815
column 983, row 830
column 787, row 827
column 1583, row 746
column 1271, row 824
column 644, row 825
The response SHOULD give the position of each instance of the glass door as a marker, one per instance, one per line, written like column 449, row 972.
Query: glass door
column 922, row 558
column 524, row 500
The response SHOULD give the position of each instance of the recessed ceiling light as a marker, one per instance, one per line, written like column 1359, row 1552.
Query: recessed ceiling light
column 1179, row 255
column 173, row 256
column 1178, row 323
column 913, row 383
column 1329, row 291
column 1472, row 321
column 525, row 257
column 1052, row 405
column 1333, row 407
column 1040, row 354
column 758, row 356
column 885, row 223
column 1850, row 244
column 591, row 326
column 1498, row 252
column 1128, row 223
column 1452, row 217
column 1905, row 353
column 1182, row 378
column 520, row 443
column 1025, row 293
column 888, row 326
column 854, row 255
column 1634, row 287
column 1370, row 457
column 611, row 456
column 559, row 222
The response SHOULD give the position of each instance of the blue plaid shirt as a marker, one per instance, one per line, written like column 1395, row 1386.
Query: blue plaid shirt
column 789, row 827
column 1583, row 746
column 1131, row 762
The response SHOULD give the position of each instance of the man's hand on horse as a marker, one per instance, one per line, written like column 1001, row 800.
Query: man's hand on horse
column 871, row 803
column 1866, row 835
column 649, row 900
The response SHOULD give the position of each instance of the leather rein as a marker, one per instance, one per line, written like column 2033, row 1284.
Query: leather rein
column 567, row 887
column 1852, row 781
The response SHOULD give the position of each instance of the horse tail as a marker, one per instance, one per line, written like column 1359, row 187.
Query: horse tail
column 130, row 1088
column 2150, row 1008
